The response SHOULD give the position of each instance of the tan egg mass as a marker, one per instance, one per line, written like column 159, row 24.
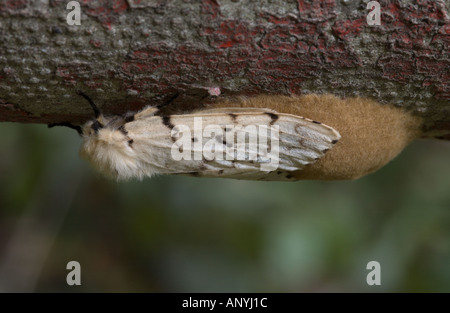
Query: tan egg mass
column 372, row 133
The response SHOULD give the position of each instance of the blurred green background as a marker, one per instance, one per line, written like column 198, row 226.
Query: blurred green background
column 182, row 234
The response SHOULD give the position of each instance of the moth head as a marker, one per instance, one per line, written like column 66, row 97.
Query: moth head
column 95, row 126
column 101, row 122
column 107, row 133
column 106, row 144
column 108, row 148
column 90, row 127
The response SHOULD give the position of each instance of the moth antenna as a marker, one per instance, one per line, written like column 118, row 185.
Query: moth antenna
column 94, row 107
column 76, row 127
column 169, row 101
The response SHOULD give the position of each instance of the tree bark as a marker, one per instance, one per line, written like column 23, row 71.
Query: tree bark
column 127, row 54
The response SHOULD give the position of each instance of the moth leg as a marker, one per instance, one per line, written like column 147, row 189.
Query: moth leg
column 169, row 101
column 151, row 110
column 146, row 112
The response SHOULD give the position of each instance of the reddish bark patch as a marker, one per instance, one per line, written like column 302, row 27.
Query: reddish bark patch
column 318, row 10
column 13, row 6
column 210, row 8
column 348, row 29
column 96, row 43
column 106, row 11
column 10, row 112
column 397, row 67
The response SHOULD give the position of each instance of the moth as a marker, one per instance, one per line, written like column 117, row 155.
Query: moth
column 234, row 142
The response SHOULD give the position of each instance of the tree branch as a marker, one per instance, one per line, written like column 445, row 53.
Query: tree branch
column 126, row 54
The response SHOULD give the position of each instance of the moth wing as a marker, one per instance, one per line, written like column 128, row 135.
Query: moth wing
column 277, row 175
column 300, row 142
column 228, row 110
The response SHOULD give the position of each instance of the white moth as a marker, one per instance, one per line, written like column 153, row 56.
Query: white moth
column 142, row 144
